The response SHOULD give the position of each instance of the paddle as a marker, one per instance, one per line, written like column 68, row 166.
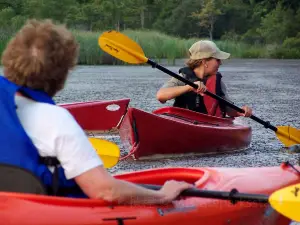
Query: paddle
column 125, row 49
column 286, row 201
column 108, row 151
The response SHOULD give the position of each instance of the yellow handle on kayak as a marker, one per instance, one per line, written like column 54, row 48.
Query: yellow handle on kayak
column 108, row 151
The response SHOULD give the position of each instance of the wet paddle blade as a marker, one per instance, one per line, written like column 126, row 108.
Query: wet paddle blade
column 288, row 135
column 286, row 201
column 121, row 47
column 108, row 151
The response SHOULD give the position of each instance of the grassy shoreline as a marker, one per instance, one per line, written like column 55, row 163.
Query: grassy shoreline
column 158, row 46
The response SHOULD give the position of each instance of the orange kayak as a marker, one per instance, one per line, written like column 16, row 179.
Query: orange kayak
column 98, row 116
column 28, row 209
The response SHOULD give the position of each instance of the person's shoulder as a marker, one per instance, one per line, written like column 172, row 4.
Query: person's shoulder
column 219, row 74
column 61, row 122
column 53, row 110
column 184, row 71
column 183, row 75
column 46, row 123
column 52, row 115
column 57, row 114
column 223, row 84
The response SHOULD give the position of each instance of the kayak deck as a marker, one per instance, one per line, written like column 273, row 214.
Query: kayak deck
column 36, row 209
column 171, row 130
column 98, row 116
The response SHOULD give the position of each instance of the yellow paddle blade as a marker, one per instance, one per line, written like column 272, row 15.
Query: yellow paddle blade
column 121, row 47
column 288, row 135
column 108, row 151
column 286, row 201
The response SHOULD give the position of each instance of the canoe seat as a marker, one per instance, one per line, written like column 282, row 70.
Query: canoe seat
column 15, row 179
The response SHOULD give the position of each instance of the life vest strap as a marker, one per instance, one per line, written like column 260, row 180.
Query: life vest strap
column 52, row 161
column 49, row 161
column 55, row 188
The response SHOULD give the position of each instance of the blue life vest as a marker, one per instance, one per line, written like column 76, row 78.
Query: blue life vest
column 17, row 148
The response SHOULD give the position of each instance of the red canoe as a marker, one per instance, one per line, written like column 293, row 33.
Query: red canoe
column 30, row 209
column 98, row 116
column 171, row 130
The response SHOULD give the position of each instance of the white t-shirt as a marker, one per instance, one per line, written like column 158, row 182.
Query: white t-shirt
column 54, row 132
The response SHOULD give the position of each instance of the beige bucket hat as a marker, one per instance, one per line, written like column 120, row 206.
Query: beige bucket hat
column 205, row 49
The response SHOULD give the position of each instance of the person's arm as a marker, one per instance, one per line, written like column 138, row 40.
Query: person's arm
column 167, row 93
column 231, row 112
column 80, row 161
column 174, row 88
column 171, row 89
column 97, row 183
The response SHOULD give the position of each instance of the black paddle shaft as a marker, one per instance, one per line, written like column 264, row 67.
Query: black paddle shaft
column 165, row 70
column 234, row 196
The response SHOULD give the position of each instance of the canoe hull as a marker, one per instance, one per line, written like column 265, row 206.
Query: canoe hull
column 174, row 131
column 98, row 116
column 44, row 210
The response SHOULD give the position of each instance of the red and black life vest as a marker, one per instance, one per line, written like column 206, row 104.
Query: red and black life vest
column 197, row 103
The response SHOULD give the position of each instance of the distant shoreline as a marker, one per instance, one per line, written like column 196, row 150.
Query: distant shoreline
column 172, row 50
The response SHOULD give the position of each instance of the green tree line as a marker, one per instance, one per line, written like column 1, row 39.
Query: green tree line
column 265, row 22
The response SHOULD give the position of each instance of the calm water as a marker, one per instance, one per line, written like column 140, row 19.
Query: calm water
column 270, row 87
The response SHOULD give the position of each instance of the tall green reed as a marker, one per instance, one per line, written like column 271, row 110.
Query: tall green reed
column 157, row 45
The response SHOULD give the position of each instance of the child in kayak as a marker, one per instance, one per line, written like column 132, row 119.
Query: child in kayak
column 202, row 69
column 37, row 135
